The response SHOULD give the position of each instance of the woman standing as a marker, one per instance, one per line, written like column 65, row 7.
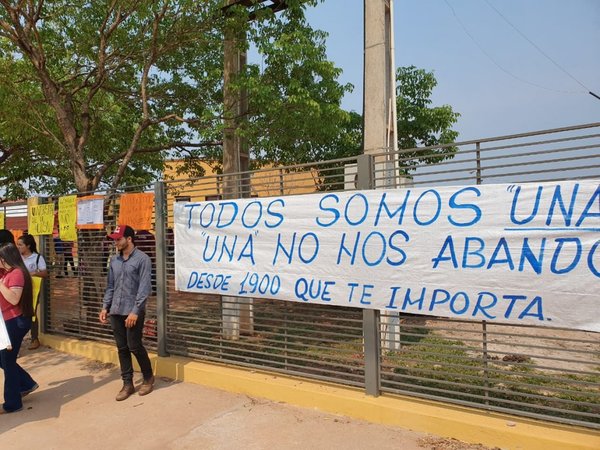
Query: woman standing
column 16, row 303
column 36, row 264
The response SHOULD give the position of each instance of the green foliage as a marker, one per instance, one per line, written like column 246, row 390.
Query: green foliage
column 25, row 151
column 297, row 100
column 105, row 90
column 420, row 124
column 293, row 95
column 97, row 95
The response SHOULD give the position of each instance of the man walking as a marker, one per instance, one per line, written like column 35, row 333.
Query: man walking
column 128, row 287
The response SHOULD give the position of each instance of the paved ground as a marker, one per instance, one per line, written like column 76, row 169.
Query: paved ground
column 75, row 408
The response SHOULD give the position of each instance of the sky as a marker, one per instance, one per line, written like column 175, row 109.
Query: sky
column 488, row 57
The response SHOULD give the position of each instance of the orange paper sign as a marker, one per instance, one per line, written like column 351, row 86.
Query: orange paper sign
column 136, row 210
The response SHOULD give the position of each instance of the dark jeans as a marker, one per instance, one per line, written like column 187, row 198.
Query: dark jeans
column 129, row 340
column 35, row 330
column 16, row 379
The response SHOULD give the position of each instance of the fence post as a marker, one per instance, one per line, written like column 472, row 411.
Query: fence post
column 160, row 226
column 478, row 157
column 371, row 317
column 484, row 335
column 44, row 295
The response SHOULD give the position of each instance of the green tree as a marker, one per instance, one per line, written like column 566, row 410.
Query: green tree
column 103, row 92
column 19, row 163
column 294, row 97
column 419, row 123
column 295, row 101
column 98, row 94
column 110, row 85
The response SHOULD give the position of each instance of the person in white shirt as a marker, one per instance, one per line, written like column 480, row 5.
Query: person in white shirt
column 36, row 264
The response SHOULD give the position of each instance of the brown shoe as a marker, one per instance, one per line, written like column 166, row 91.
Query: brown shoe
column 147, row 386
column 35, row 343
column 125, row 392
column 29, row 391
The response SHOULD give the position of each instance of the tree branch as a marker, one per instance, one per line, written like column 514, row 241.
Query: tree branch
column 154, row 149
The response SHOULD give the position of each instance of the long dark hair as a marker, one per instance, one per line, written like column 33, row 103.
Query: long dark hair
column 6, row 236
column 29, row 241
column 11, row 257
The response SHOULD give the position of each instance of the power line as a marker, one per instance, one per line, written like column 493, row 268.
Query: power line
column 565, row 71
column 536, row 46
column 503, row 69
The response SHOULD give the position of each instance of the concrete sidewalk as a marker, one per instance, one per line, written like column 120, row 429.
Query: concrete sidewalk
column 75, row 408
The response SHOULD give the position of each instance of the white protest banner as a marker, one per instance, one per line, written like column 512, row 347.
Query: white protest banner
column 523, row 254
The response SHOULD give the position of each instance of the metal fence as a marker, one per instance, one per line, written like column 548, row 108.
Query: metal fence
column 78, row 275
column 547, row 373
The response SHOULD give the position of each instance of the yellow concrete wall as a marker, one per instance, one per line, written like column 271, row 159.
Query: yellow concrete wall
column 267, row 182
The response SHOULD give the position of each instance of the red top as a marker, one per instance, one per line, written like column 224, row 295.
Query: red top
column 13, row 278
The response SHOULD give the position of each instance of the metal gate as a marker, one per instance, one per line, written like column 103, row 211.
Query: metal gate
column 547, row 373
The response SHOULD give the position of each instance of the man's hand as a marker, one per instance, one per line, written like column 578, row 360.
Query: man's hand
column 103, row 317
column 131, row 320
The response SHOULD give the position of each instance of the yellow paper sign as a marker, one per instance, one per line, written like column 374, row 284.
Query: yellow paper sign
column 67, row 218
column 40, row 219
column 36, row 284
column 1, row 221
column 136, row 210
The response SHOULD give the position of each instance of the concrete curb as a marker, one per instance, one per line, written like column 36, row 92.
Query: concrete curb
column 465, row 424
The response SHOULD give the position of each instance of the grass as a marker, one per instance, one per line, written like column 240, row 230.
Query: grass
column 435, row 363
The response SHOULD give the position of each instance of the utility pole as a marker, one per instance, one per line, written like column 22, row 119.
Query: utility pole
column 235, row 103
column 380, row 132
column 237, row 312
column 379, row 89
column 235, row 108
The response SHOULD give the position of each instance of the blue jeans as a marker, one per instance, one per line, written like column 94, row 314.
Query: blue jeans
column 16, row 379
column 129, row 340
